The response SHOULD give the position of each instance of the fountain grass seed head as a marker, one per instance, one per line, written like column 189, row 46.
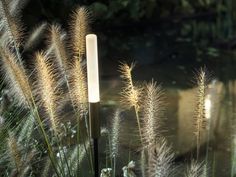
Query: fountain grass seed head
column 194, row 170
column 35, row 36
column 10, row 25
column 59, row 49
column 130, row 94
column 160, row 160
column 14, row 152
column 152, row 111
column 46, row 87
column 200, row 113
column 115, row 133
column 79, row 28
column 15, row 76
column 78, row 86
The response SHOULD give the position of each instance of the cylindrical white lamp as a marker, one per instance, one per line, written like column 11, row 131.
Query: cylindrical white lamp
column 92, row 68
column 93, row 94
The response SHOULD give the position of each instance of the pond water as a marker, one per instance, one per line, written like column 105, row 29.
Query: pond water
column 172, row 60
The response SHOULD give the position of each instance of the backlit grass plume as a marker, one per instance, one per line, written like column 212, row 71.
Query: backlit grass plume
column 115, row 138
column 160, row 160
column 200, row 114
column 10, row 25
column 59, row 49
column 17, row 6
column 47, row 87
column 14, row 152
column 130, row 94
column 15, row 76
column 194, row 170
column 79, row 29
column 152, row 112
column 115, row 133
column 78, row 86
column 35, row 36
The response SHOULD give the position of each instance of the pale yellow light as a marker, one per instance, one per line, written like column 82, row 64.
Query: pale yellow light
column 92, row 68
column 208, row 106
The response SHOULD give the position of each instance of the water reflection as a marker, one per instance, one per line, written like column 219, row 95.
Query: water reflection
column 218, row 146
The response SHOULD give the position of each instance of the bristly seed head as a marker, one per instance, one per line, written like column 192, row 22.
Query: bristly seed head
column 152, row 111
column 46, row 88
column 200, row 113
column 115, row 133
column 79, row 86
column 58, row 46
column 79, row 29
column 195, row 169
column 15, row 76
column 160, row 160
column 130, row 94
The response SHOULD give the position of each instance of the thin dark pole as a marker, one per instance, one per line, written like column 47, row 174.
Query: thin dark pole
column 96, row 165
column 94, row 123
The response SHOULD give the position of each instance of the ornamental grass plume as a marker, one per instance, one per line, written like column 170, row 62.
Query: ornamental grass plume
column 17, row 6
column 59, row 49
column 143, row 163
column 194, row 170
column 152, row 111
column 78, row 86
column 15, row 76
column 14, row 152
column 10, row 25
column 46, row 88
column 79, row 28
column 160, row 160
column 11, row 28
column 35, row 36
column 130, row 94
column 200, row 114
column 115, row 132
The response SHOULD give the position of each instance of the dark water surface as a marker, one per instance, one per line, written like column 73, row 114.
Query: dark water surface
column 171, row 60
